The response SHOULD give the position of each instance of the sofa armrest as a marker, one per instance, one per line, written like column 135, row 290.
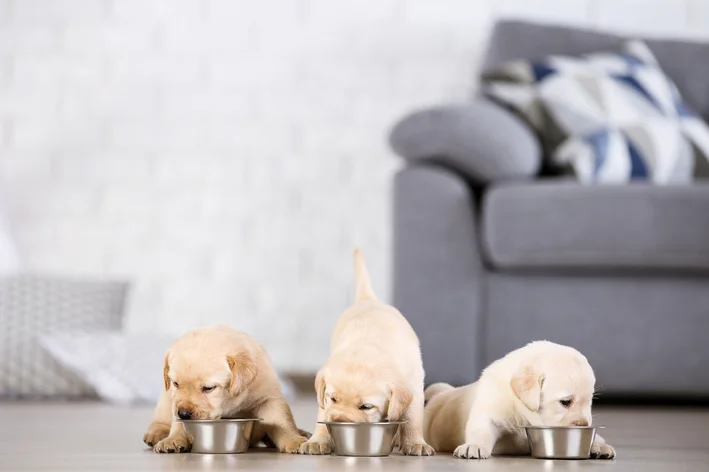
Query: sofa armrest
column 438, row 273
column 481, row 140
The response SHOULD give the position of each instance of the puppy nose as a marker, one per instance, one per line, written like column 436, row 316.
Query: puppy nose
column 184, row 414
column 580, row 423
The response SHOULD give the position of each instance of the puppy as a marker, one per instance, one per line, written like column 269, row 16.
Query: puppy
column 374, row 372
column 219, row 372
column 540, row 384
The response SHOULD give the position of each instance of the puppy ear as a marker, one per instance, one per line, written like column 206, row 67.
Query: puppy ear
column 398, row 401
column 526, row 383
column 165, row 371
column 243, row 372
column 320, row 384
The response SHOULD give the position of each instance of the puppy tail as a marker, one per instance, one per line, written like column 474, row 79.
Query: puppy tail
column 434, row 389
column 363, row 284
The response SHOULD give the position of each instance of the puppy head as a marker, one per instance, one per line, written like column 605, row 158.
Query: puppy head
column 204, row 376
column 557, row 382
column 353, row 394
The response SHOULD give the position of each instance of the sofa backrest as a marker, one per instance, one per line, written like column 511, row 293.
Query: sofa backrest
column 686, row 62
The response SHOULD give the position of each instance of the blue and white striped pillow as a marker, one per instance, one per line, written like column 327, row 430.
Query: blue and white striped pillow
column 607, row 117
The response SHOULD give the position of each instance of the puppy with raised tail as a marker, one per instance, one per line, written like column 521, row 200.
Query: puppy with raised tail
column 218, row 372
column 374, row 372
column 540, row 384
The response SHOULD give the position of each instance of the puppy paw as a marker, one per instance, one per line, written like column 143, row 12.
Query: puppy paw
column 602, row 451
column 316, row 446
column 421, row 449
column 471, row 451
column 156, row 433
column 177, row 443
column 292, row 445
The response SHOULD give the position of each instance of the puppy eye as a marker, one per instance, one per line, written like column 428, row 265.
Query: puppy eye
column 565, row 403
column 333, row 400
column 175, row 384
column 208, row 389
column 366, row 406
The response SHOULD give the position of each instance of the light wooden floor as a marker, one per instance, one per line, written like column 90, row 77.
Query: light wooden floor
column 95, row 437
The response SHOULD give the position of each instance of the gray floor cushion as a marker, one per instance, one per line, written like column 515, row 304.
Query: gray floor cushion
column 31, row 306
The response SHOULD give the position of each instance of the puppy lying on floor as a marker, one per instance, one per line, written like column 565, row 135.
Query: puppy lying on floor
column 374, row 371
column 540, row 384
column 219, row 372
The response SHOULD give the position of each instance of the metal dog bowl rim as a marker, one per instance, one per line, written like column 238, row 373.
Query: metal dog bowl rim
column 221, row 420
column 362, row 423
column 564, row 427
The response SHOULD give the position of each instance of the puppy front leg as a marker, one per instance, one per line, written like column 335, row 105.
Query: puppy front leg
column 320, row 442
column 412, row 441
column 277, row 420
column 162, row 418
column 480, row 438
column 177, row 441
column 601, row 450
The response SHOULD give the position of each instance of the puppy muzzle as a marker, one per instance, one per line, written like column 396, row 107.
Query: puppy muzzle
column 345, row 416
column 579, row 422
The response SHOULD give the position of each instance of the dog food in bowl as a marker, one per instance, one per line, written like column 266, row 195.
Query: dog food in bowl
column 363, row 439
column 227, row 436
column 561, row 442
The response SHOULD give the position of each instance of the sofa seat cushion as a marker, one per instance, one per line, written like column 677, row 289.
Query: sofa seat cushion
column 564, row 225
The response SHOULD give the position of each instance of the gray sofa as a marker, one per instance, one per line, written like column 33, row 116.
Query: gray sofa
column 489, row 254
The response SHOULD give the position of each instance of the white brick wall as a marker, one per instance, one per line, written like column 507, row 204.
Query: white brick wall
column 227, row 155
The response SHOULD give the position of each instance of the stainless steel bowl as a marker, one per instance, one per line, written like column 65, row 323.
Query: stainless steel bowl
column 363, row 439
column 561, row 442
column 228, row 436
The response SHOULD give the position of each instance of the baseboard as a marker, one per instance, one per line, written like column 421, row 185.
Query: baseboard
column 652, row 399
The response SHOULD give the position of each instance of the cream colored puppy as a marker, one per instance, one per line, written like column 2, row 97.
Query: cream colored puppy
column 374, row 371
column 219, row 372
column 540, row 384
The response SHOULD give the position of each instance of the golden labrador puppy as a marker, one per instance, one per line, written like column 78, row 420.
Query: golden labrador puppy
column 219, row 372
column 374, row 371
column 540, row 384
